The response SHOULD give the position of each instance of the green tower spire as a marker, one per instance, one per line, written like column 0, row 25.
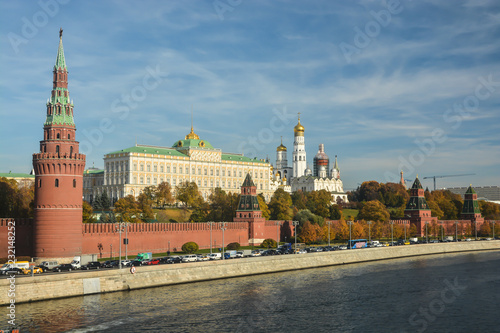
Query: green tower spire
column 59, row 105
column 60, row 61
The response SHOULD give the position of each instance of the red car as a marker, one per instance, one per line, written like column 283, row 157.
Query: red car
column 154, row 262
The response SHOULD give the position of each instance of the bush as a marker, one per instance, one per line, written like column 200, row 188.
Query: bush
column 233, row 246
column 172, row 220
column 190, row 247
column 269, row 242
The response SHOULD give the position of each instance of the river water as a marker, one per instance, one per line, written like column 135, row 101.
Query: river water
column 439, row 293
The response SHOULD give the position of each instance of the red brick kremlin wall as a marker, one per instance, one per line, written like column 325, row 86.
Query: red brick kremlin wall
column 144, row 237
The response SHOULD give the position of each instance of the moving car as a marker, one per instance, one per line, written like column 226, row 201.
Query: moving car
column 63, row 267
column 36, row 270
column 92, row 265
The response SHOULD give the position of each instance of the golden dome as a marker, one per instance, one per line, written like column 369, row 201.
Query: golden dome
column 299, row 129
column 192, row 135
column 281, row 147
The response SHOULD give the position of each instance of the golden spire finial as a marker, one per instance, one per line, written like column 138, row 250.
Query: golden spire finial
column 299, row 115
column 192, row 134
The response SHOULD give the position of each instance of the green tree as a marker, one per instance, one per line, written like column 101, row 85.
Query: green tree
column 280, row 205
column 435, row 210
column 128, row 209
column 269, row 243
column 87, row 213
column 15, row 200
column 190, row 247
column 318, row 202
column 187, row 193
column 305, row 215
column 266, row 213
column 335, row 212
column 201, row 213
column 299, row 200
column 220, row 206
column 105, row 200
column 374, row 211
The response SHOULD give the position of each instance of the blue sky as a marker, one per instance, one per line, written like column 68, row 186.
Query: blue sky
column 386, row 86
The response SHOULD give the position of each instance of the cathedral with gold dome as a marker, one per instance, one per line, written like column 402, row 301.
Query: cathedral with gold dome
column 299, row 176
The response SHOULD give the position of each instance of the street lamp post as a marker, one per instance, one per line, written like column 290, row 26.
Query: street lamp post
column 392, row 233
column 329, row 222
column 404, row 225
column 277, row 233
column 475, row 228
column 456, row 231
column 120, row 227
column 350, row 225
column 369, row 231
column 295, row 224
column 493, row 233
column 223, row 227
column 426, row 233
column 210, row 224
column 442, row 231
column 111, row 247
column 126, row 243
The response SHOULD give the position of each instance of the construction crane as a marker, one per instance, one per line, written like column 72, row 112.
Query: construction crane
column 445, row 176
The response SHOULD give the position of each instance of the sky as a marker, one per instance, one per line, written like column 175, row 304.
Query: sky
column 384, row 85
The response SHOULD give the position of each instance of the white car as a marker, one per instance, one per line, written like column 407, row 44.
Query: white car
column 214, row 256
column 255, row 253
column 190, row 258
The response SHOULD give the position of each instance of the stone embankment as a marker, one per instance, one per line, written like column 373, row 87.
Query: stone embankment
column 44, row 287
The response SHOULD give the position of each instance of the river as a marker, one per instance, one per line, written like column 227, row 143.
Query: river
column 439, row 293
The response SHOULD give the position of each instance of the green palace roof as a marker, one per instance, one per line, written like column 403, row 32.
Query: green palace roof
column 240, row 158
column 16, row 175
column 149, row 150
column 93, row 171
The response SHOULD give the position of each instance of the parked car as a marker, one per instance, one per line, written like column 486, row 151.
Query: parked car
column 36, row 270
column 190, row 258
column 153, row 262
column 343, row 247
column 175, row 260
column 202, row 257
column 48, row 265
column 15, row 270
column 63, row 267
column 255, row 253
column 135, row 263
column 214, row 256
column 92, row 265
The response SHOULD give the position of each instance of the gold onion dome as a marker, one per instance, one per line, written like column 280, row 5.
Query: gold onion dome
column 192, row 135
column 281, row 147
column 299, row 129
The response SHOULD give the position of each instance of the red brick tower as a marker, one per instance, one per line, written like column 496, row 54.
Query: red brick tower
column 417, row 209
column 470, row 209
column 58, row 175
column 249, row 211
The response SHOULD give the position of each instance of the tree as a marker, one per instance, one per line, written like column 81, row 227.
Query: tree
column 190, row 247
column 233, row 246
column 87, row 213
column 413, row 230
column 266, row 213
column 188, row 194
column 128, row 208
column 310, row 233
column 335, row 212
column 268, row 242
column 105, row 200
column 15, row 200
column 280, row 205
column 435, row 210
column 318, row 202
column 219, row 206
column 305, row 215
column 374, row 211
column 144, row 203
column 299, row 200
column 489, row 210
column 200, row 213
column 163, row 194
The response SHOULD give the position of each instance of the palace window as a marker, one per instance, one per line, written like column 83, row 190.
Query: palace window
column 180, row 169
column 57, row 182
column 135, row 166
column 155, row 168
column 148, row 167
column 199, row 171
column 187, row 170
column 193, row 170
column 142, row 167
column 211, row 172
column 205, row 171
column 161, row 168
column 229, row 173
column 223, row 172
column 149, row 180
column 168, row 168
column 174, row 169
column 142, row 180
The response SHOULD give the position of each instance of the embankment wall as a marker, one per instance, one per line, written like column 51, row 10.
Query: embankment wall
column 44, row 287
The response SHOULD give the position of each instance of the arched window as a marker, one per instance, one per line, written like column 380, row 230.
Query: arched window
column 57, row 182
column 74, row 182
column 39, row 183
column 58, row 136
column 69, row 137
column 57, row 149
column 71, row 150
